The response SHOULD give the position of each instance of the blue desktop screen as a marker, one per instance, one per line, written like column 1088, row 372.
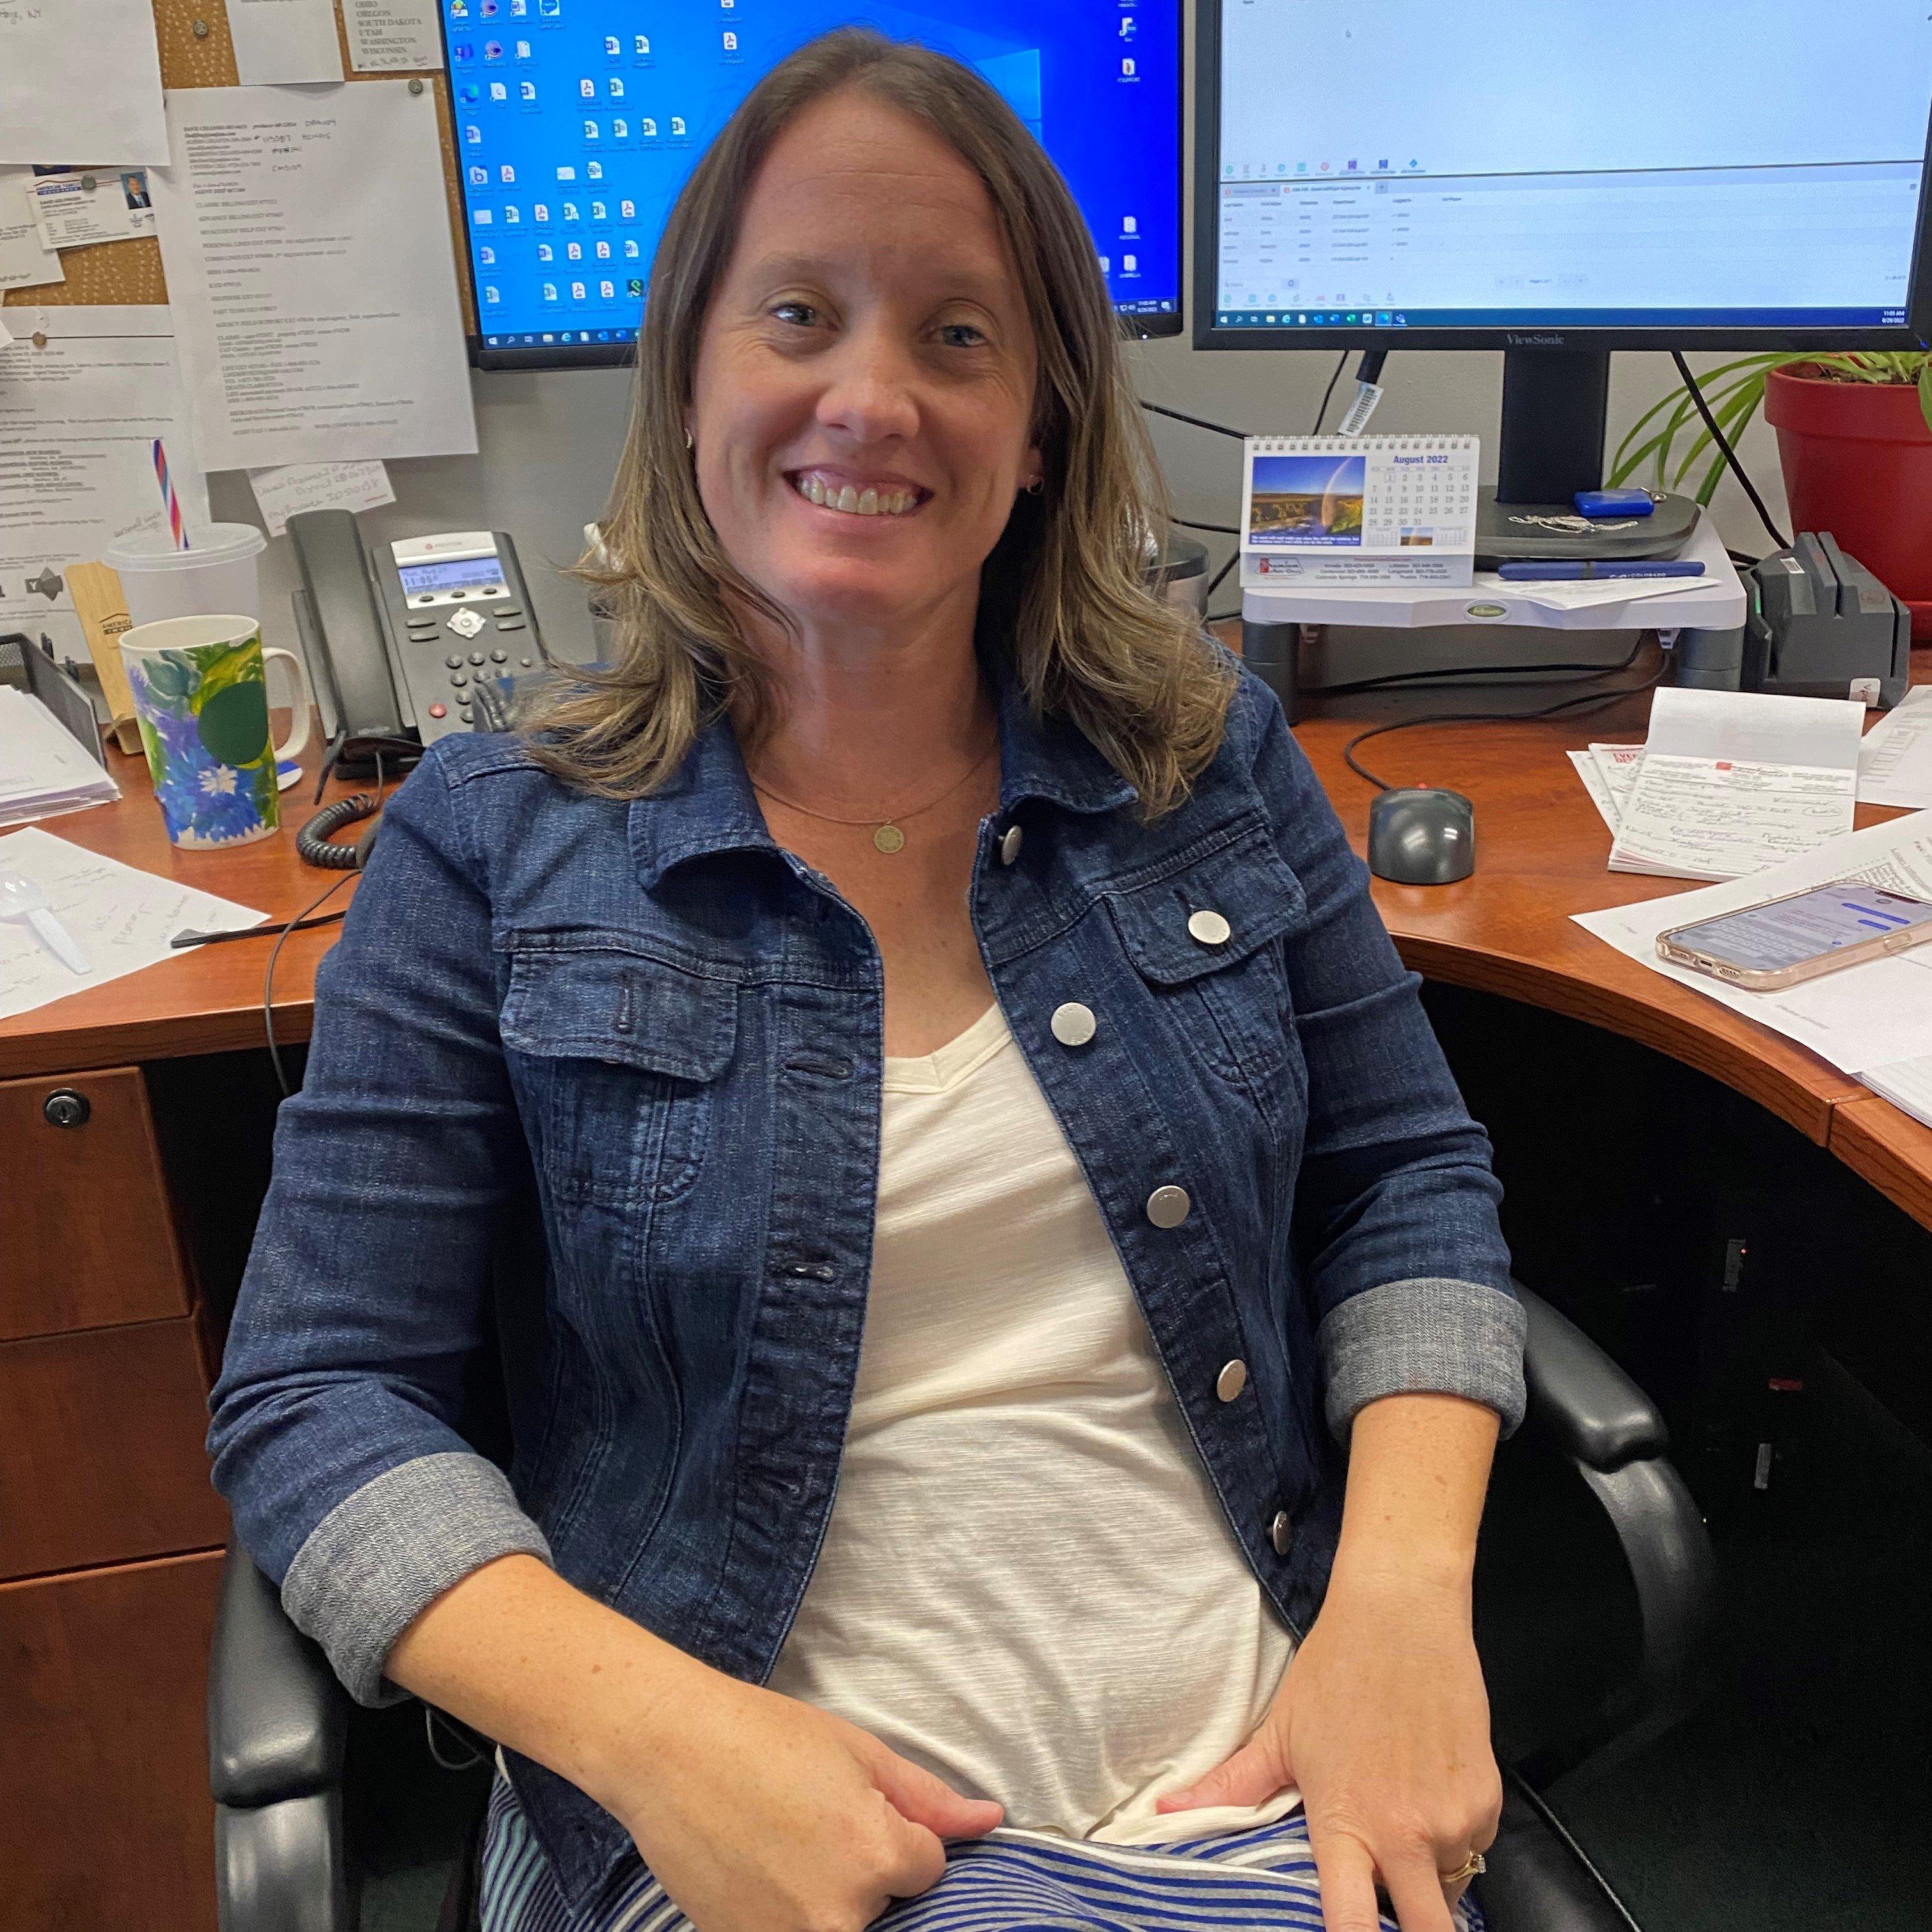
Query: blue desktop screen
column 578, row 121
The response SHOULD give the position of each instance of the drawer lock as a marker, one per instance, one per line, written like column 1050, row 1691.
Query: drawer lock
column 64, row 1107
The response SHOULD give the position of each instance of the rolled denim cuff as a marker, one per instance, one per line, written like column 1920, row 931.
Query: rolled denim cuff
column 1432, row 1336
column 384, row 1554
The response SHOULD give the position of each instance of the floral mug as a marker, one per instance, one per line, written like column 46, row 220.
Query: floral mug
column 201, row 693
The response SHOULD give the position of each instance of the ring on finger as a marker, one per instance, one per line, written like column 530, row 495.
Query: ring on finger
column 1474, row 1866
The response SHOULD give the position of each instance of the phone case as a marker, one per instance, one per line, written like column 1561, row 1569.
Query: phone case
column 1772, row 979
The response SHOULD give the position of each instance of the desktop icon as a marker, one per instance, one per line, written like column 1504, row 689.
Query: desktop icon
column 1130, row 265
column 613, row 46
column 634, row 287
column 586, row 90
column 620, row 131
column 487, row 8
column 486, row 257
column 1301, row 318
column 473, row 135
column 573, row 251
column 627, row 211
column 607, row 291
column 493, row 50
column 1353, row 166
column 641, row 45
column 545, row 253
column 648, row 128
column 498, row 92
column 469, row 93
column 479, row 177
column 730, row 41
column 566, row 172
column 603, row 251
column 507, row 175
column 511, row 217
column 526, row 92
column 523, row 50
column 578, row 292
column 677, row 126
column 1130, row 225
column 630, row 248
column 461, row 50
column 491, row 293
column 616, row 89
column 549, row 292
column 1381, row 164
column 482, row 217
column 1384, row 318
column 1127, row 68
column 550, row 10
column 594, row 170
column 591, row 130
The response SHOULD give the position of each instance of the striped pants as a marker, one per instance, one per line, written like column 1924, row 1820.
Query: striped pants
column 1009, row 1881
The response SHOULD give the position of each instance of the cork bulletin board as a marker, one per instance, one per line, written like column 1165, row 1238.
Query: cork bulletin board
column 197, row 51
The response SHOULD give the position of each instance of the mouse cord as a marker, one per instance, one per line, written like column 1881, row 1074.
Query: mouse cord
column 1588, row 698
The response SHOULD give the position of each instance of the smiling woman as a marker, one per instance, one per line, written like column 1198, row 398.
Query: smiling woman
column 1001, row 1415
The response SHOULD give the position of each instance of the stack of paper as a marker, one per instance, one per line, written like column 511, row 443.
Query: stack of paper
column 1895, row 761
column 43, row 769
column 1731, row 782
column 1609, row 772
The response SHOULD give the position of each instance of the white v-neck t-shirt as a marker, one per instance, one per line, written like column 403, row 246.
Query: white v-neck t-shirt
column 1027, row 1585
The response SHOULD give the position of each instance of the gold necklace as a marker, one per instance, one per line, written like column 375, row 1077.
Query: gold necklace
column 886, row 835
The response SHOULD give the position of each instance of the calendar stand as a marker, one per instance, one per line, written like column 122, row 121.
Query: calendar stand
column 1703, row 616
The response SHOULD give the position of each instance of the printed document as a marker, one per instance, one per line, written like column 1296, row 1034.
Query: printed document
column 1857, row 1017
column 121, row 918
column 306, row 234
column 1895, row 758
column 279, row 41
column 78, row 421
column 1733, row 782
column 44, row 769
column 80, row 82
column 82, row 206
column 391, row 36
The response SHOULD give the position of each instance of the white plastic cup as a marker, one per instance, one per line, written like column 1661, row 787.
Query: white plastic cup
column 218, row 577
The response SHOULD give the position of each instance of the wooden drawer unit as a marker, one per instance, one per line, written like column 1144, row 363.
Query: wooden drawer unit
column 87, row 1239
column 100, row 1455
column 105, row 1820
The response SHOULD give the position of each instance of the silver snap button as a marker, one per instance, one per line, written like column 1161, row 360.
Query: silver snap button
column 1232, row 1379
column 1073, row 1024
column 1281, row 1532
column 1010, row 841
column 1210, row 928
column 1168, row 1206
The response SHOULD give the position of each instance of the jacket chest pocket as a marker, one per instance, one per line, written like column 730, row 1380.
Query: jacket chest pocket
column 1209, row 941
column 618, row 1056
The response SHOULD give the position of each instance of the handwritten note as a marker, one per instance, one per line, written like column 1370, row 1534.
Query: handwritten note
column 391, row 36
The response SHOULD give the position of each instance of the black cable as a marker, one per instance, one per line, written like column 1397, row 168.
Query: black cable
column 275, row 953
column 1219, row 577
column 1328, row 393
column 1730, row 455
column 1498, row 717
column 1198, row 422
column 1216, row 529
column 269, row 978
column 1389, row 680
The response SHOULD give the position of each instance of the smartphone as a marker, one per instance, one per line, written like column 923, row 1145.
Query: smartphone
column 1764, row 947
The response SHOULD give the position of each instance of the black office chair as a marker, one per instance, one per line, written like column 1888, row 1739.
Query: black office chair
column 277, row 1718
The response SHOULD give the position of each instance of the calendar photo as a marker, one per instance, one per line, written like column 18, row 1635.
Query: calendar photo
column 1368, row 510
column 1299, row 500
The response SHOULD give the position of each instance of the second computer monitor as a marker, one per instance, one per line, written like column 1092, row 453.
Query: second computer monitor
column 1743, row 173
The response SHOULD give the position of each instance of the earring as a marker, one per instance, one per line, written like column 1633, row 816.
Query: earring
column 1038, row 484
column 690, row 441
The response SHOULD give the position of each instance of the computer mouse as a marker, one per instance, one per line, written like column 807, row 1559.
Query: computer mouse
column 1422, row 835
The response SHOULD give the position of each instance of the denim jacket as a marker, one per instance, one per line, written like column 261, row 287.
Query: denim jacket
column 649, row 1032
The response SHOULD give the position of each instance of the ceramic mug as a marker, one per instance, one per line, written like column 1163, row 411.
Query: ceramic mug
column 201, row 693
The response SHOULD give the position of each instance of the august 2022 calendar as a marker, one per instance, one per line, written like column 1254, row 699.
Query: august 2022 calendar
column 1368, row 510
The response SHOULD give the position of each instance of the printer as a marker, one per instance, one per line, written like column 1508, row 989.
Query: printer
column 1820, row 625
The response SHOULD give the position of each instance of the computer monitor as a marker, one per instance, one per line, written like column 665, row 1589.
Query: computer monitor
column 1561, row 180
column 577, row 122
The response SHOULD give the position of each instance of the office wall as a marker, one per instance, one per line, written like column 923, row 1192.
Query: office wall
column 549, row 443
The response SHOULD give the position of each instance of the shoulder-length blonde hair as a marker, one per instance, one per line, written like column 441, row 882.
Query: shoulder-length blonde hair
column 1063, row 589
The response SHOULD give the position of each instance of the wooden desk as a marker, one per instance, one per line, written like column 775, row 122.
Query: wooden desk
column 110, row 1534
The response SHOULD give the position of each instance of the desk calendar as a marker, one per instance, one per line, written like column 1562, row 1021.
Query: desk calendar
column 1368, row 510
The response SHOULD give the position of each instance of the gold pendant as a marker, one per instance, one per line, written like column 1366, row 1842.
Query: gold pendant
column 889, row 838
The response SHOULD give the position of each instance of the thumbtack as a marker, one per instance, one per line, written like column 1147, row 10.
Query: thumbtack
column 201, row 30
column 416, row 87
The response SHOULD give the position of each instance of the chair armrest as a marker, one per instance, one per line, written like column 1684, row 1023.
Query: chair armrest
column 276, row 1715
column 1580, row 1401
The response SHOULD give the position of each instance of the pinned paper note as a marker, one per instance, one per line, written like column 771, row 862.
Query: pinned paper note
column 391, row 36
column 287, row 490
column 25, row 261
column 344, row 339
column 96, row 68
column 280, row 42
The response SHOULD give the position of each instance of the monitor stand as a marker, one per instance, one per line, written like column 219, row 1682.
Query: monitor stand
column 1554, row 404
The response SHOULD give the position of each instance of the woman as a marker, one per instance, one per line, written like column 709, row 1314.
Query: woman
column 989, row 1158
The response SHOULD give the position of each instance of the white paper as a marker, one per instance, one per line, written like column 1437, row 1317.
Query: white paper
column 1906, row 1083
column 78, row 420
column 1857, row 1017
column 1895, row 757
column 305, row 234
column 122, row 919
column 277, row 41
column 1593, row 783
column 1731, row 782
column 286, row 492
column 24, row 260
column 391, row 36
column 44, row 769
column 70, row 213
column 79, row 79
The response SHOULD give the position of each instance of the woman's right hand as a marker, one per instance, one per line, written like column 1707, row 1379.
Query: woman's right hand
column 762, row 1814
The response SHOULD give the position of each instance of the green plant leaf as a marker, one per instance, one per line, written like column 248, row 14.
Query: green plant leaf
column 1925, row 390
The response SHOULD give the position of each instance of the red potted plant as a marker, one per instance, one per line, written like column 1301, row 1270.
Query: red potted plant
column 1854, row 442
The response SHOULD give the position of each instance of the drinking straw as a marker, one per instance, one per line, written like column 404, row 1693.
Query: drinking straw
column 170, row 501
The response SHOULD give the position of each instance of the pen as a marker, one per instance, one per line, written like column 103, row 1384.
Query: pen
column 1573, row 573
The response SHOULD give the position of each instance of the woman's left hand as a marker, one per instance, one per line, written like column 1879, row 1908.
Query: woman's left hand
column 1383, row 1722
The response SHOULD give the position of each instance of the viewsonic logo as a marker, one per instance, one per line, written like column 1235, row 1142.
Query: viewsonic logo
column 1537, row 341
